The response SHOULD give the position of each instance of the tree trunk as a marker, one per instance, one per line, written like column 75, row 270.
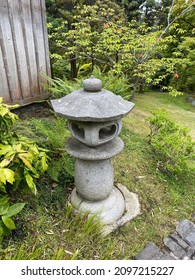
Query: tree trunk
column 134, row 88
column 73, row 64
column 141, row 85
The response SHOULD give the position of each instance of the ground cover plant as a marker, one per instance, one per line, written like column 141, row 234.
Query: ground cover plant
column 48, row 228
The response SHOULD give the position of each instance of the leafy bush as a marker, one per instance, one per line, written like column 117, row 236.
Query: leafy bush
column 171, row 143
column 21, row 160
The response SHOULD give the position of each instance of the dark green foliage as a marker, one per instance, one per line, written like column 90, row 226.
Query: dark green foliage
column 151, row 12
column 172, row 145
column 61, row 87
column 117, row 84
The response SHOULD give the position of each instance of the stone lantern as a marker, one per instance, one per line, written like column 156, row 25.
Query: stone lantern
column 94, row 120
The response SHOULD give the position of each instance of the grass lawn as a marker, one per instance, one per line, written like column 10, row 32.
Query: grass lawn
column 48, row 228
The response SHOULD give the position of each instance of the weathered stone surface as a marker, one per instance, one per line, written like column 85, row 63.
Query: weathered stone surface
column 97, row 106
column 191, row 99
column 180, row 241
column 177, row 250
column 167, row 256
column 94, row 180
column 150, row 252
column 191, row 251
column 94, row 134
column 108, row 150
column 92, row 84
column 186, row 229
column 132, row 209
column 109, row 210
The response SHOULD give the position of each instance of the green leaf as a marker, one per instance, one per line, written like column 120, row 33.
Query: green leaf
column 6, row 161
column 6, row 174
column 31, row 183
column 4, row 209
column 25, row 161
column 8, row 222
column 6, row 231
column 4, row 200
column 4, row 149
column 14, row 209
column 4, row 205
column 4, row 111
column 9, row 174
column 44, row 163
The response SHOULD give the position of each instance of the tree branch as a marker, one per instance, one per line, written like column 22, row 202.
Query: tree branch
column 193, row 26
column 170, row 11
column 186, row 10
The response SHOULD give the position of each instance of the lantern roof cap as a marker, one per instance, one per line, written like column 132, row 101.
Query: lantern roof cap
column 92, row 103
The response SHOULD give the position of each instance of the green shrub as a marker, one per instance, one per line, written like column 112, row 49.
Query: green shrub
column 171, row 144
column 21, row 160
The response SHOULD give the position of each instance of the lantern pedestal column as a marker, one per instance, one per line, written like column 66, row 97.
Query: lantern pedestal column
column 94, row 191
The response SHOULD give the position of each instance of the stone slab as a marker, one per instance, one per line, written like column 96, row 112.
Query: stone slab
column 150, row 252
column 186, row 230
column 175, row 248
column 180, row 241
column 191, row 252
column 167, row 256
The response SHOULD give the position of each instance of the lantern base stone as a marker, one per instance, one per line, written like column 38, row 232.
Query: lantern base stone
column 132, row 209
column 118, row 208
column 108, row 210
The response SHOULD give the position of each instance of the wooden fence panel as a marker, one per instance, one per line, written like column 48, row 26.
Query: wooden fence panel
column 24, row 52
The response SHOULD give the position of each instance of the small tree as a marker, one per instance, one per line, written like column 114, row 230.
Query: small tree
column 98, row 37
